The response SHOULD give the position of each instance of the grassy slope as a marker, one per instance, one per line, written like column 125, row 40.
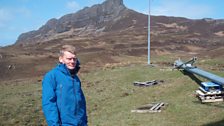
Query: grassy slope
column 21, row 103
column 111, row 96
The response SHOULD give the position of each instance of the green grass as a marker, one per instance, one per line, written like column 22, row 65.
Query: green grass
column 21, row 104
column 111, row 96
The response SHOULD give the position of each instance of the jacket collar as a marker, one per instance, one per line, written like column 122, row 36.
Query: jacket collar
column 63, row 68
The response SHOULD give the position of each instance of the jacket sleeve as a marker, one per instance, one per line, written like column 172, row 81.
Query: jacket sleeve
column 49, row 100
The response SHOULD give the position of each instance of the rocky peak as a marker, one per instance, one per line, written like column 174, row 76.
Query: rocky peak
column 95, row 17
column 112, row 5
column 114, row 2
column 108, row 10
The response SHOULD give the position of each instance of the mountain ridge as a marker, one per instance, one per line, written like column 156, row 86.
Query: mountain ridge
column 112, row 15
column 94, row 18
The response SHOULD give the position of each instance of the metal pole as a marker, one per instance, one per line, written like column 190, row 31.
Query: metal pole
column 149, row 35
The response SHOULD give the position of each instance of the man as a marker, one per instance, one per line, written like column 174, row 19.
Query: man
column 63, row 100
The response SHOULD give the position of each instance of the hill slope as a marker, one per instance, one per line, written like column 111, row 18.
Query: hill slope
column 106, row 33
column 111, row 96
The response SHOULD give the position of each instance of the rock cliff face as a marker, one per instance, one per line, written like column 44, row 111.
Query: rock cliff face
column 88, row 21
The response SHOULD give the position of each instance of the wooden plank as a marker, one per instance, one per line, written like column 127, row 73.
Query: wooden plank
column 153, row 107
column 159, row 106
column 145, row 111
column 211, row 100
column 199, row 92
column 149, row 108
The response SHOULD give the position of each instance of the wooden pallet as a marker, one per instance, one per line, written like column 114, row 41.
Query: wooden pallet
column 206, row 98
column 147, row 83
column 150, row 108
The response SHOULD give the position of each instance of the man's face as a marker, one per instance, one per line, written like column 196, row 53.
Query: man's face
column 68, row 59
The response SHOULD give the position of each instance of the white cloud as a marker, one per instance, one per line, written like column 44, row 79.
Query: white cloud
column 9, row 14
column 145, row 12
column 5, row 16
column 72, row 5
column 181, row 8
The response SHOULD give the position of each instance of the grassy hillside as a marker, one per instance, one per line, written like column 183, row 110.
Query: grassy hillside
column 111, row 96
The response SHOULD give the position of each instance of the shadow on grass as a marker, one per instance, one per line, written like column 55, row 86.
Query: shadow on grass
column 198, row 81
column 218, row 123
column 192, row 76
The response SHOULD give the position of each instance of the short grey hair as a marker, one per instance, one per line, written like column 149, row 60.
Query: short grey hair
column 68, row 48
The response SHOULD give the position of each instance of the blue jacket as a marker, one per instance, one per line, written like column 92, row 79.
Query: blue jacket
column 63, row 100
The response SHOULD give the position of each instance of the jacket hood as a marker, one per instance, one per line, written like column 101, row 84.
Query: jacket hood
column 63, row 68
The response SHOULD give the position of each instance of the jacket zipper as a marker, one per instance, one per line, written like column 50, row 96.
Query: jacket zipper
column 60, row 95
column 73, row 83
column 60, row 103
column 73, row 80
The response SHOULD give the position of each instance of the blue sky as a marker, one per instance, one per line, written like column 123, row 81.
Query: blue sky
column 19, row 16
